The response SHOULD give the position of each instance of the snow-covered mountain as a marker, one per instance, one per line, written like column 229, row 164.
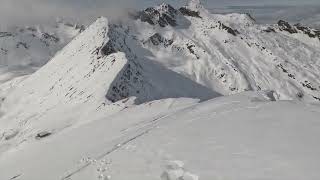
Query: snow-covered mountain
column 24, row 49
column 127, row 96
column 230, row 53
column 225, row 53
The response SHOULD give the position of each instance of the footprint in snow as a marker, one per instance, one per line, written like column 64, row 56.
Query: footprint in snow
column 174, row 170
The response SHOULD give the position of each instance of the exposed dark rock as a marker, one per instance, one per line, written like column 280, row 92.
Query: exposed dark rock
column 19, row 44
column 157, row 39
column 251, row 17
column 10, row 135
column 164, row 15
column 228, row 29
column 5, row 34
column 316, row 98
column 269, row 30
column 4, row 51
column 300, row 95
column 16, row 176
column 308, row 85
column 108, row 49
column 43, row 134
column 285, row 26
column 114, row 38
column 187, row 12
column 148, row 15
column 191, row 50
column 80, row 27
column 282, row 68
column 233, row 88
column 127, row 83
column 50, row 37
column 292, row 76
column 298, row 28
column 312, row 33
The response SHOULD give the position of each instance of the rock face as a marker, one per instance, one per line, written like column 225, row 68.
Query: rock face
column 298, row 28
column 164, row 15
column 5, row 34
column 187, row 12
column 228, row 29
column 129, row 82
column 285, row 26
column 157, row 39
column 312, row 33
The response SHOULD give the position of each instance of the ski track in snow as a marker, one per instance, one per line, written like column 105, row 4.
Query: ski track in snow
column 129, row 134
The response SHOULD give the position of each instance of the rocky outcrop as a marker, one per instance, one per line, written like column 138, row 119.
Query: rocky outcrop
column 251, row 17
column 285, row 26
column 128, row 83
column 157, row 39
column 50, row 37
column 298, row 28
column 5, row 34
column 269, row 30
column 187, row 12
column 228, row 29
column 312, row 33
column 163, row 15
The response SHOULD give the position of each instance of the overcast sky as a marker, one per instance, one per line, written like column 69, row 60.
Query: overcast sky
column 40, row 11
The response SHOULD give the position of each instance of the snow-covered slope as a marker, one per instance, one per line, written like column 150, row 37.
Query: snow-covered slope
column 226, row 53
column 24, row 50
column 230, row 53
column 238, row 137
column 82, row 76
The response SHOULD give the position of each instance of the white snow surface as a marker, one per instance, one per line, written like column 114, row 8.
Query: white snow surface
column 243, row 136
column 179, row 95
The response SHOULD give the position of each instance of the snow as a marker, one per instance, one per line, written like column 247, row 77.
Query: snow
column 244, row 136
column 24, row 49
column 178, row 98
column 87, row 85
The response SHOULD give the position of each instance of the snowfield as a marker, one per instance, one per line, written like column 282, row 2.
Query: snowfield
column 167, row 94
column 244, row 136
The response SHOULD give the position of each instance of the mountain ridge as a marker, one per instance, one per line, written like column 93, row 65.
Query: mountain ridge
column 200, row 55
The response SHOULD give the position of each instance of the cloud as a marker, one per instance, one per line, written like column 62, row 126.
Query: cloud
column 307, row 15
column 25, row 12
column 28, row 12
column 31, row 12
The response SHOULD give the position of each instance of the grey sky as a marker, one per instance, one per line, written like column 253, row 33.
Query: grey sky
column 211, row 3
column 26, row 12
